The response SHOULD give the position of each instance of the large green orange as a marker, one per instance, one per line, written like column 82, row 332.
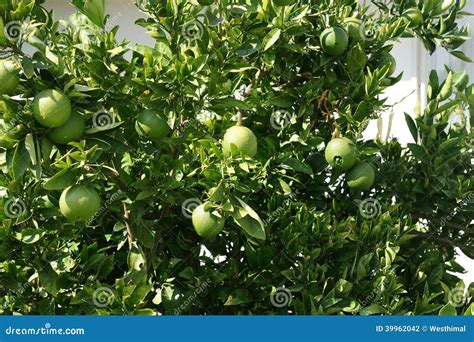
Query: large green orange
column 51, row 108
column 150, row 124
column 72, row 130
column 205, row 223
column 354, row 28
column 413, row 16
column 361, row 176
column 9, row 77
column 79, row 203
column 387, row 59
column 341, row 153
column 334, row 41
column 242, row 138
column 284, row 2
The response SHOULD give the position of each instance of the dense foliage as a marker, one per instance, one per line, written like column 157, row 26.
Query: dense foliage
column 296, row 239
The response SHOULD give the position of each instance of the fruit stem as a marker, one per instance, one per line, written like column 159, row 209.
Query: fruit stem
column 336, row 133
column 239, row 118
column 126, row 217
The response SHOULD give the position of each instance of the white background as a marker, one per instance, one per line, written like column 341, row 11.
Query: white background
column 410, row 54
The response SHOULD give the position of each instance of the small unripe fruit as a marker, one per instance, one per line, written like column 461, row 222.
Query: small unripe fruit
column 9, row 77
column 341, row 153
column 243, row 138
column 79, row 203
column 354, row 29
column 150, row 124
column 334, row 41
column 361, row 176
column 72, row 130
column 205, row 223
column 51, row 108
column 413, row 16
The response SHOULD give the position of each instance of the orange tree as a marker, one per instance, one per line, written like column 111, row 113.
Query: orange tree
column 222, row 170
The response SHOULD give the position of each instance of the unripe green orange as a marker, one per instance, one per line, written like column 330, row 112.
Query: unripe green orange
column 205, row 223
column 72, row 130
column 413, row 16
column 334, row 41
column 150, row 124
column 9, row 77
column 361, row 176
column 51, row 108
column 243, row 138
column 79, row 203
column 354, row 28
column 341, row 153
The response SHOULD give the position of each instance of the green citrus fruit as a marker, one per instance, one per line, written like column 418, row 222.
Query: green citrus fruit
column 243, row 138
column 442, row 7
column 284, row 2
column 341, row 153
column 361, row 176
column 317, row 161
column 51, row 108
column 72, row 130
column 9, row 77
column 354, row 28
column 205, row 223
column 9, row 138
column 79, row 203
column 151, row 125
column 413, row 16
column 334, row 41
column 387, row 59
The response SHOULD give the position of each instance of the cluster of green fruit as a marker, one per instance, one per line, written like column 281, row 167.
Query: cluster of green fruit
column 238, row 140
column 341, row 153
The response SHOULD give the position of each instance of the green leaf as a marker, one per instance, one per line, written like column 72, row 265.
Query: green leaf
column 30, row 235
column 412, row 127
column 462, row 56
column 21, row 161
column 419, row 152
column 448, row 310
column 48, row 279
column 249, row 221
column 61, row 180
column 271, row 38
column 93, row 9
